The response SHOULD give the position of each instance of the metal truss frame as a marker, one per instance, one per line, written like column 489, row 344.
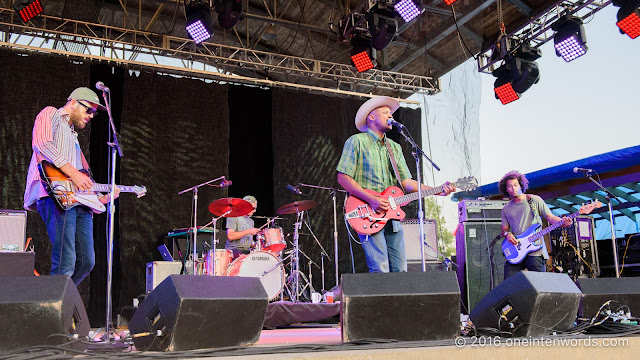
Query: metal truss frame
column 208, row 60
column 537, row 31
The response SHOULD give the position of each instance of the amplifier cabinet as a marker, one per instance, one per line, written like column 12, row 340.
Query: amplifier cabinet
column 480, row 210
column 13, row 228
column 157, row 271
column 411, row 229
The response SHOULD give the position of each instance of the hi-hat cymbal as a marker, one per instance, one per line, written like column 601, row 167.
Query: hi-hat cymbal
column 237, row 206
column 296, row 207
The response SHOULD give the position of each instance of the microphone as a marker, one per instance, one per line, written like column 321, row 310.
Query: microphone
column 577, row 170
column 225, row 183
column 101, row 86
column 392, row 122
column 294, row 189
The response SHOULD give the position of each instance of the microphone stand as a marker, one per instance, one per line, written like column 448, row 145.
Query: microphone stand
column 610, row 197
column 417, row 155
column 335, row 223
column 194, row 229
column 114, row 144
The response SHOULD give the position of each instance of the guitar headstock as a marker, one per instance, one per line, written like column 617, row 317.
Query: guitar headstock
column 585, row 209
column 140, row 191
column 466, row 183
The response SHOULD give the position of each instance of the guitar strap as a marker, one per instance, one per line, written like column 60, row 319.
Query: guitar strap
column 537, row 218
column 392, row 158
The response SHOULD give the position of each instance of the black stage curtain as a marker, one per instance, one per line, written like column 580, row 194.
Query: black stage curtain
column 308, row 134
column 175, row 134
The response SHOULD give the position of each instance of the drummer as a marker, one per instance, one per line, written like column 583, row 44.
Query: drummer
column 240, row 230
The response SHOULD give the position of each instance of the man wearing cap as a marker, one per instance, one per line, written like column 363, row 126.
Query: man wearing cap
column 365, row 164
column 56, row 141
column 240, row 230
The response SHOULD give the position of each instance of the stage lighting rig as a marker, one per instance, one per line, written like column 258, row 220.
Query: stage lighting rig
column 382, row 24
column 449, row 2
column 518, row 73
column 199, row 20
column 569, row 40
column 408, row 9
column 362, row 55
column 229, row 12
column 28, row 9
column 628, row 17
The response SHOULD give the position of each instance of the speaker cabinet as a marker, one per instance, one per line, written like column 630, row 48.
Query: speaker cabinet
column 17, row 263
column 480, row 263
column 401, row 306
column 13, row 227
column 536, row 303
column 199, row 312
column 34, row 307
column 596, row 292
column 411, row 229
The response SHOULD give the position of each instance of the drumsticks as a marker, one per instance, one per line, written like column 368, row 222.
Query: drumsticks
column 268, row 222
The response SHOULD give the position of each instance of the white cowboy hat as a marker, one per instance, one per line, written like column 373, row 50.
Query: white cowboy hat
column 372, row 104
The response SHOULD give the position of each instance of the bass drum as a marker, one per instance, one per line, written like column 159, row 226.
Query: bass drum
column 263, row 265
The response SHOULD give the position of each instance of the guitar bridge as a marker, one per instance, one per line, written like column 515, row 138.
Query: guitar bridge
column 361, row 212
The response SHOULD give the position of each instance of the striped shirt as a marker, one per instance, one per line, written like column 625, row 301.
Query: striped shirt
column 365, row 158
column 54, row 140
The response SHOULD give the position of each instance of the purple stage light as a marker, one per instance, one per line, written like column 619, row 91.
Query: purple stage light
column 570, row 48
column 198, row 32
column 407, row 10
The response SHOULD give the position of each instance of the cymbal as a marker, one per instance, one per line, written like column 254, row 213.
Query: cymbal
column 237, row 206
column 296, row 207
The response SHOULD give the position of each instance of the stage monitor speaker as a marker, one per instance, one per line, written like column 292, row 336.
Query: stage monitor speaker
column 34, row 307
column 478, row 272
column 535, row 303
column 401, row 306
column 596, row 292
column 199, row 312
column 411, row 229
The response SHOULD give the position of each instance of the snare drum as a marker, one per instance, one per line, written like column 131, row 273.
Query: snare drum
column 223, row 258
column 272, row 239
column 263, row 265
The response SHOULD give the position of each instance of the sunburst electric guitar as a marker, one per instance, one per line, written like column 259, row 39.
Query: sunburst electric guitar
column 67, row 195
column 531, row 239
column 366, row 221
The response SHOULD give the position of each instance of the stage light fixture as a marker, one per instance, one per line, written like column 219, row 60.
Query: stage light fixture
column 382, row 29
column 628, row 17
column 361, row 53
column 28, row 9
column 199, row 21
column 229, row 12
column 569, row 40
column 518, row 73
column 408, row 9
column 449, row 2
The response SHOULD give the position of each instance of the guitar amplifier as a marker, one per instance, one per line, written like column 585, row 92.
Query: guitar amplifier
column 480, row 210
column 411, row 229
column 13, row 228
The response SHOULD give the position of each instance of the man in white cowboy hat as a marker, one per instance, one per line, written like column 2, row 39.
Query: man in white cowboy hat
column 365, row 164
column 56, row 141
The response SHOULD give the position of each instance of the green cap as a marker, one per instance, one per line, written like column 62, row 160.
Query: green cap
column 87, row 95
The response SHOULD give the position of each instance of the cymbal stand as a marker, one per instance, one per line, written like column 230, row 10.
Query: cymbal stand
column 295, row 260
column 215, row 241
column 194, row 229
column 335, row 224
column 322, row 255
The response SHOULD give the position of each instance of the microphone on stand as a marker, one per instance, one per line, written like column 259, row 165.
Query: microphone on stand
column 101, row 86
column 294, row 189
column 225, row 183
column 577, row 170
column 392, row 122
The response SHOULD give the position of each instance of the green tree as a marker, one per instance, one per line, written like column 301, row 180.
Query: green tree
column 446, row 241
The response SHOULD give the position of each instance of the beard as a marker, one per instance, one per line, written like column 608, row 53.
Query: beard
column 76, row 119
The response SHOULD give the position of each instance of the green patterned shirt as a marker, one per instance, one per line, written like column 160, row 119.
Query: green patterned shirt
column 365, row 158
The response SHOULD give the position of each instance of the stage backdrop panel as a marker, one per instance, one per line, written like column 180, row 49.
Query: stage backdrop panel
column 175, row 134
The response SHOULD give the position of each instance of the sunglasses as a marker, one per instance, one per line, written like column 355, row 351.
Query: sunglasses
column 89, row 109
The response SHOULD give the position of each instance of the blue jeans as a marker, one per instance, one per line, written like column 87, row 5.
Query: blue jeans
column 384, row 250
column 531, row 263
column 71, row 235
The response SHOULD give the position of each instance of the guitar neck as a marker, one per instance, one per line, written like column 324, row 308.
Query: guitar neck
column 417, row 195
column 550, row 228
column 107, row 188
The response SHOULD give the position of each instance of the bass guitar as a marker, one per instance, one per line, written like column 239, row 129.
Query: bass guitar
column 531, row 239
column 67, row 195
column 366, row 221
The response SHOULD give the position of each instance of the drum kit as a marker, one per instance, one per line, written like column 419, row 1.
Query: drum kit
column 265, row 260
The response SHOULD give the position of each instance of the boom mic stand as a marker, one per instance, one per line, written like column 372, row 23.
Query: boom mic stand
column 610, row 197
column 194, row 229
column 114, row 144
column 417, row 154
column 335, row 226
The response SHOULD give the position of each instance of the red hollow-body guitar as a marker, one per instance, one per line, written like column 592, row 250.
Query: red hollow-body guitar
column 366, row 221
